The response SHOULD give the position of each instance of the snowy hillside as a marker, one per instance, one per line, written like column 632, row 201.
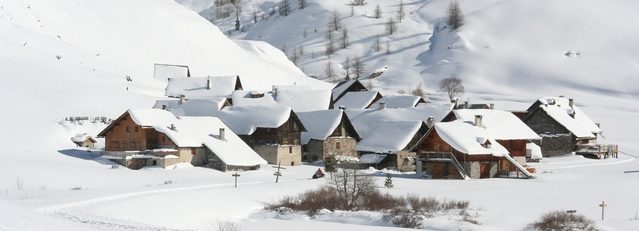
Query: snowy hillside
column 560, row 47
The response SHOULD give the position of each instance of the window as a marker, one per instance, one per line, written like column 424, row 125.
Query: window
column 163, row 140
column 155, row 162
column 290, row 149
column 128, row 129
column 337, row 145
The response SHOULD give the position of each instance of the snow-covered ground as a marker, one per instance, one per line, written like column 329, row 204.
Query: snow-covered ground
column 62, row 58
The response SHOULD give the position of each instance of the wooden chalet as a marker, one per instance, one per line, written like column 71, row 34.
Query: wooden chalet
column 84, row 140
column 564, row 128
column 153, row 137
column 329, row 133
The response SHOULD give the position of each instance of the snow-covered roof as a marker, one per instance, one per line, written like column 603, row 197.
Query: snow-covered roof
column 244, row 120
column 152, row 117
column 302, row 100
column 243, row 98
column 559, row 109
column 357, row 100
column 201, row 87
column 163, row 72
column 343, row 87
column 399, row 101
column 193, row 107
column 81, row 137
column 388, row 136
column 369, row 117
column 319, row 124
column 371, row 158
column 468, row 139
column 198, row 131
column 501, row 125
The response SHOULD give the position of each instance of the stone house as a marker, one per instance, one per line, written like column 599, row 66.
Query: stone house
column 154, row 137
column 329, row 133
column 561, row 124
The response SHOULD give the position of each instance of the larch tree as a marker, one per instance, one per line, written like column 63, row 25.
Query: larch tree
column 378, row 12
column 401, row 14
column 344, row 38
column 335, row 22
column 302, row 4
column 358, row 67
column 347, row 67
column 285, row 7
column 330, row 49
column 391, row 26
column 455, row 17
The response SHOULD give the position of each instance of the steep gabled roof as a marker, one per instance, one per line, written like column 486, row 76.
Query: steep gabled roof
column 573, row 119
column 345, row 86
column 163, row 72
column 302, row 100
column 358, row 99
column 399, row 101
column 193, row 107
column 389, row 136
column 321, row 124
column 468, row 138
column 244, row 120
column 501, row 125
column 203, row 87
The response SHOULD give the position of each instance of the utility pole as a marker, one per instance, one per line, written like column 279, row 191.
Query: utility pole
column 603, row 205
column 236, row 175
column 278, row 173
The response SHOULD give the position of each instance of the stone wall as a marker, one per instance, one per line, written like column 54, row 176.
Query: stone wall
column 557, row 145
column 556, row 139
column 406, row 161
column 286, row 154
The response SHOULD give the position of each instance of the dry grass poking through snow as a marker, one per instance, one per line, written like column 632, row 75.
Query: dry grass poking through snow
column 403, row 211
column 562, row 221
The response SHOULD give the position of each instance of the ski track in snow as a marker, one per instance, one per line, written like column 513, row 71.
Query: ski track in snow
column 632, row 158
column 63, row 210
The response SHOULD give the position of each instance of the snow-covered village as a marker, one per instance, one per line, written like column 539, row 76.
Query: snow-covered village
column 265, row 115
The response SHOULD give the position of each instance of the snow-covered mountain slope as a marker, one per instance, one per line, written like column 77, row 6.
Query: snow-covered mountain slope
column 505, row 47
column 67, row 58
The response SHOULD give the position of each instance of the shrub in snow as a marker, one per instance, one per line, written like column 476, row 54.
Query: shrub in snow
column 76, row 188
column 408, row 219
column 388, row 183
column 227, row 226
column 560, row 220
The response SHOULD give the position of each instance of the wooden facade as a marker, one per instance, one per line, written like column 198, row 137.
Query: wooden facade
column 281, row 144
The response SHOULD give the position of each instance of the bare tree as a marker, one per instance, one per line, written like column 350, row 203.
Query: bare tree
column 347, row 67
column 388, row 47
column 377, row 46
column 330, row 73
column 452, row 86
column 455, row 16
column 329, row 41
column 358, row 2
column 352, row 10
column 344, row 38
column 238, row 10
column 350, row 186
column 302, row 4
column 335, row 22
column 227, row 226
column 294, row 56
column 378, row 12
column 285, row 7
column 358, row 67
column 391, row 26
column 400, row 12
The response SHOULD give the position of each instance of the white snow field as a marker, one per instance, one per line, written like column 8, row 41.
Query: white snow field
column 68, row 58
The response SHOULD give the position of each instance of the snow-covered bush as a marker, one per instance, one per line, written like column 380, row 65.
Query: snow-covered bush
column 560, row 220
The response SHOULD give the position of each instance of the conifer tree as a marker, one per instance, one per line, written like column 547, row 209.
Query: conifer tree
column 388, row 183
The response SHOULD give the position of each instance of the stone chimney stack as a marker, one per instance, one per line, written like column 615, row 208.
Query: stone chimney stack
column 466, row 105
column 430, row 122
column 222, row 135
column 492, row 106
column 571, row 103
column 182, row 99
column 172, row 127
column 208, row 83
column 478, row 120
column 382, row 105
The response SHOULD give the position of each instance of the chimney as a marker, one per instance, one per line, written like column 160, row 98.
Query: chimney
column 163, row 106
column 382, row 105
column 491, row 106
column 342, row 107
column 478, row 119
column 182, row 99
column 222, row 135
column 208, row 83
column 172, row 127
column 454, row 102
column 571, row 103
column 430, row 122
column 598, row 125
column 466, row 105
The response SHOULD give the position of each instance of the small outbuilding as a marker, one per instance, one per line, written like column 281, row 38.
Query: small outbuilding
column 84, row 140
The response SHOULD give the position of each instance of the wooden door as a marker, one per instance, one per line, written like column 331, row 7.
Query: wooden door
column 484, row 170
